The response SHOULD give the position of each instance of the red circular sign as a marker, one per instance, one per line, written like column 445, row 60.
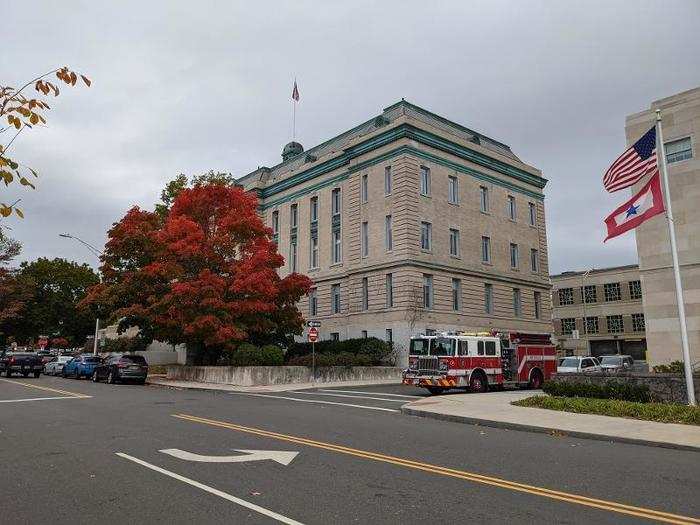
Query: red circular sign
column 313, row 334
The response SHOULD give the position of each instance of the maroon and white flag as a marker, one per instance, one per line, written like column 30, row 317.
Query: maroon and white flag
column 641, row 207
column 637, row 161
column 295, row 92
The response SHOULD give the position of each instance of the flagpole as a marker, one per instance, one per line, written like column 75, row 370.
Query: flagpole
column 294, row 113
column 676, row 268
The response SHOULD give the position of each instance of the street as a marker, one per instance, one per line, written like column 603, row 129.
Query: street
column 80, row 452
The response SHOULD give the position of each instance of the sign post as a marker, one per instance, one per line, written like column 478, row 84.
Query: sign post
column 313, row 337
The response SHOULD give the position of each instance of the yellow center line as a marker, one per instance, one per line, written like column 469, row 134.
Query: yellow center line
column 47, row 389
column 469, row 476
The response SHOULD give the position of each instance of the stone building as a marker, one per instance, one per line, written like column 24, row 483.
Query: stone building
column 409, row 223
column 681, row 129
column 613, row 312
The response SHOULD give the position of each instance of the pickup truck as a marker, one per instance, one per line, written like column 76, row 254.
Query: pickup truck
column 24, row 363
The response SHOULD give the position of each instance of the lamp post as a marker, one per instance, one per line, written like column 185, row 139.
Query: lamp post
column 97, row 253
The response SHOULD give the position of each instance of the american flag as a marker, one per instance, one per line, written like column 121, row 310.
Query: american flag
column 636, row 162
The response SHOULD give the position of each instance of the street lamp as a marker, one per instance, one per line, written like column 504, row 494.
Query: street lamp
column 97, row 253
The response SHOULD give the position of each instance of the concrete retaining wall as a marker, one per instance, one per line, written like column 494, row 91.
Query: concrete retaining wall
column 669, row 388
column 278, row 375
column 160, row 357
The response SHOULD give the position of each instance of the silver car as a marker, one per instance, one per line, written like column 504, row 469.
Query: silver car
column 55, row 367
column 616, row 363
column 578, row 364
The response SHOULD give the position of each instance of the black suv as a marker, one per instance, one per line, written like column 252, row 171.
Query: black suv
column 123, row 367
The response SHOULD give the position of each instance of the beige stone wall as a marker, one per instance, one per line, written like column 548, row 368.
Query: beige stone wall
column 681, row 118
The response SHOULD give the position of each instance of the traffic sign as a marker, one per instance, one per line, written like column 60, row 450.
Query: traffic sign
column 313, row 334
column 314, row 324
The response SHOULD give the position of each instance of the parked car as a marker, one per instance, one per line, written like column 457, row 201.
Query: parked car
column 616, row 363
column 55, row 367
column 44, row 355
column 578, row 364
column 122, row 367
column 24, row 363
column 81, row 366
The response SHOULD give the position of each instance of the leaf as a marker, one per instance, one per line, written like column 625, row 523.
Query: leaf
column 19, row 213
column 73, row 78
column 34, row 119
column 86, row 80
column 33, row 172
column 5, row 211
column 24, row 182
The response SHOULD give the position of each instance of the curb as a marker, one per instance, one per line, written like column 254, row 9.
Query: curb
column 542, row 430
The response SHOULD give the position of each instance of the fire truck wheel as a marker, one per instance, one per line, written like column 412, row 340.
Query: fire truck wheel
column 478, row 382
column 435, row 390
column 536, row 380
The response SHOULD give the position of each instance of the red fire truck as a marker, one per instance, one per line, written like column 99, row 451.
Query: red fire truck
column 477, row 361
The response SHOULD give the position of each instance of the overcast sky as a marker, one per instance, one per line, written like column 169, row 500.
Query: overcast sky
column 182, row 87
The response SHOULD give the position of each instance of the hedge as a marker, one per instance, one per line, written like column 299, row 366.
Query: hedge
column 610, row 390
column 374, row 351
column 250, row 355
column 661, row 412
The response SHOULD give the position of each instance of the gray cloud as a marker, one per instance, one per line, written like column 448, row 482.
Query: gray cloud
column 182, row 87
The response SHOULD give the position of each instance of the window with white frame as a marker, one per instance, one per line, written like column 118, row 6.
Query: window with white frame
column 389, row 335
column 615, row 324
column 427, row 290
column 365, row 239
column 335, row 298
column 611, row 292
column 425, row 181
column 486, row 249
column 389, row 284
column 592, row 325
column 365, row 293
column 534, row 260
column 275, row 223
column 568, row 325
column 293, row 216
column 678, row 150
column 364, row 334
column 532, row 213
column 517, row 303
column 537, row 297
column 388, row 234
column 337, row 244
column 484, row 199
column 635, row 289
column 364, row 188
column 335, row 336
column 454, row 242
column 452, row 190
column 335, row 201
column 512, row 213
column 589, row 293
column 426, row 236
column 566, row 296
column 514, row 256
column 313, row 209
column 638, row 322
column 488, row 298
column 456, row 294
column 388, row 183
column 293, row 256
column 313, row 302
column 313, row 251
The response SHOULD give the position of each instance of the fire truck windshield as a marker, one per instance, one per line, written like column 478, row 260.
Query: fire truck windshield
column 419, row 346
column 443, row 346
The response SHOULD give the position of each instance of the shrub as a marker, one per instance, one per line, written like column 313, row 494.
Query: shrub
column 610, row 390
column 250, row 355
column 372, row 348
column 674, row 367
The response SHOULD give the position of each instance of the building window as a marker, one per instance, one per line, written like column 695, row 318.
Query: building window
column 427, row 291
column 454, row 242
column 313, row 209
column 638, row 323
column 335, row 336
column 335, row 201
column 365, row 239
column 293, row 216
column 614, row 324
column 426, row 236
column 538, row 305
column 313, row 302
column 589, row 293
column 387, row 180
column 514, row 256
column 566, row 296
column 365, row 294
column 486, row 249
column 389, row 290
column 425, row 181
column 389, row 335
column 678, row 150
column 453, row 190
column 313, row 251
column 335, row 298
column 364, row 334
column 275, row 223
column 635, row 289
column 293, row 256
column 456, row 294
column 364, row 189
column 591, row 325
column 511, row 207
column 488, row 298
column 534, row 260
column 568, row 325
column 484, row 199
column 388, row 234
column 337, row 252
column 532, row 209
column 611, row 292
column 517, row 303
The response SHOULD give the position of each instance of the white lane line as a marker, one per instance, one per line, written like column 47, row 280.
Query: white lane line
column 352, row 397
column 372, row 393
column 212, row 490
column 319, row 401
column 40, row 399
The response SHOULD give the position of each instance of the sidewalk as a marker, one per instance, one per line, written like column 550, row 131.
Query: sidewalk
column 494, row 410
column 193, row 385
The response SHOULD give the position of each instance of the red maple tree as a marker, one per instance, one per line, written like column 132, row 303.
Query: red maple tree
column 205, row 275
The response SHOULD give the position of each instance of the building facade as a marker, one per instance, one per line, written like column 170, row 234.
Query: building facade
column 409, row 223
column 599, row 312
column 681, row 130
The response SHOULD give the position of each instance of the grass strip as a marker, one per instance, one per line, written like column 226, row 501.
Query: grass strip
column 660, row 412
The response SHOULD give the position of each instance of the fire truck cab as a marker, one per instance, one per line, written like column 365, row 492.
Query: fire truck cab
column 477, row 361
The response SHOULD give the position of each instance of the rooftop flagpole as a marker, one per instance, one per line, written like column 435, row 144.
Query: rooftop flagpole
column 661, row 154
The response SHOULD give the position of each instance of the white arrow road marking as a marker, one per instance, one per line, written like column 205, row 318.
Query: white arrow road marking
column 212, row 490
column 280, row 456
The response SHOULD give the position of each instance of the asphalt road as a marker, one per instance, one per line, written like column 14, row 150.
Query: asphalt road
column 77, row 452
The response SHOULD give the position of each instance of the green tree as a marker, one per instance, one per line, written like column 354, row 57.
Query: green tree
column 58, row 286
column 15, row 290
column 174, row 187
